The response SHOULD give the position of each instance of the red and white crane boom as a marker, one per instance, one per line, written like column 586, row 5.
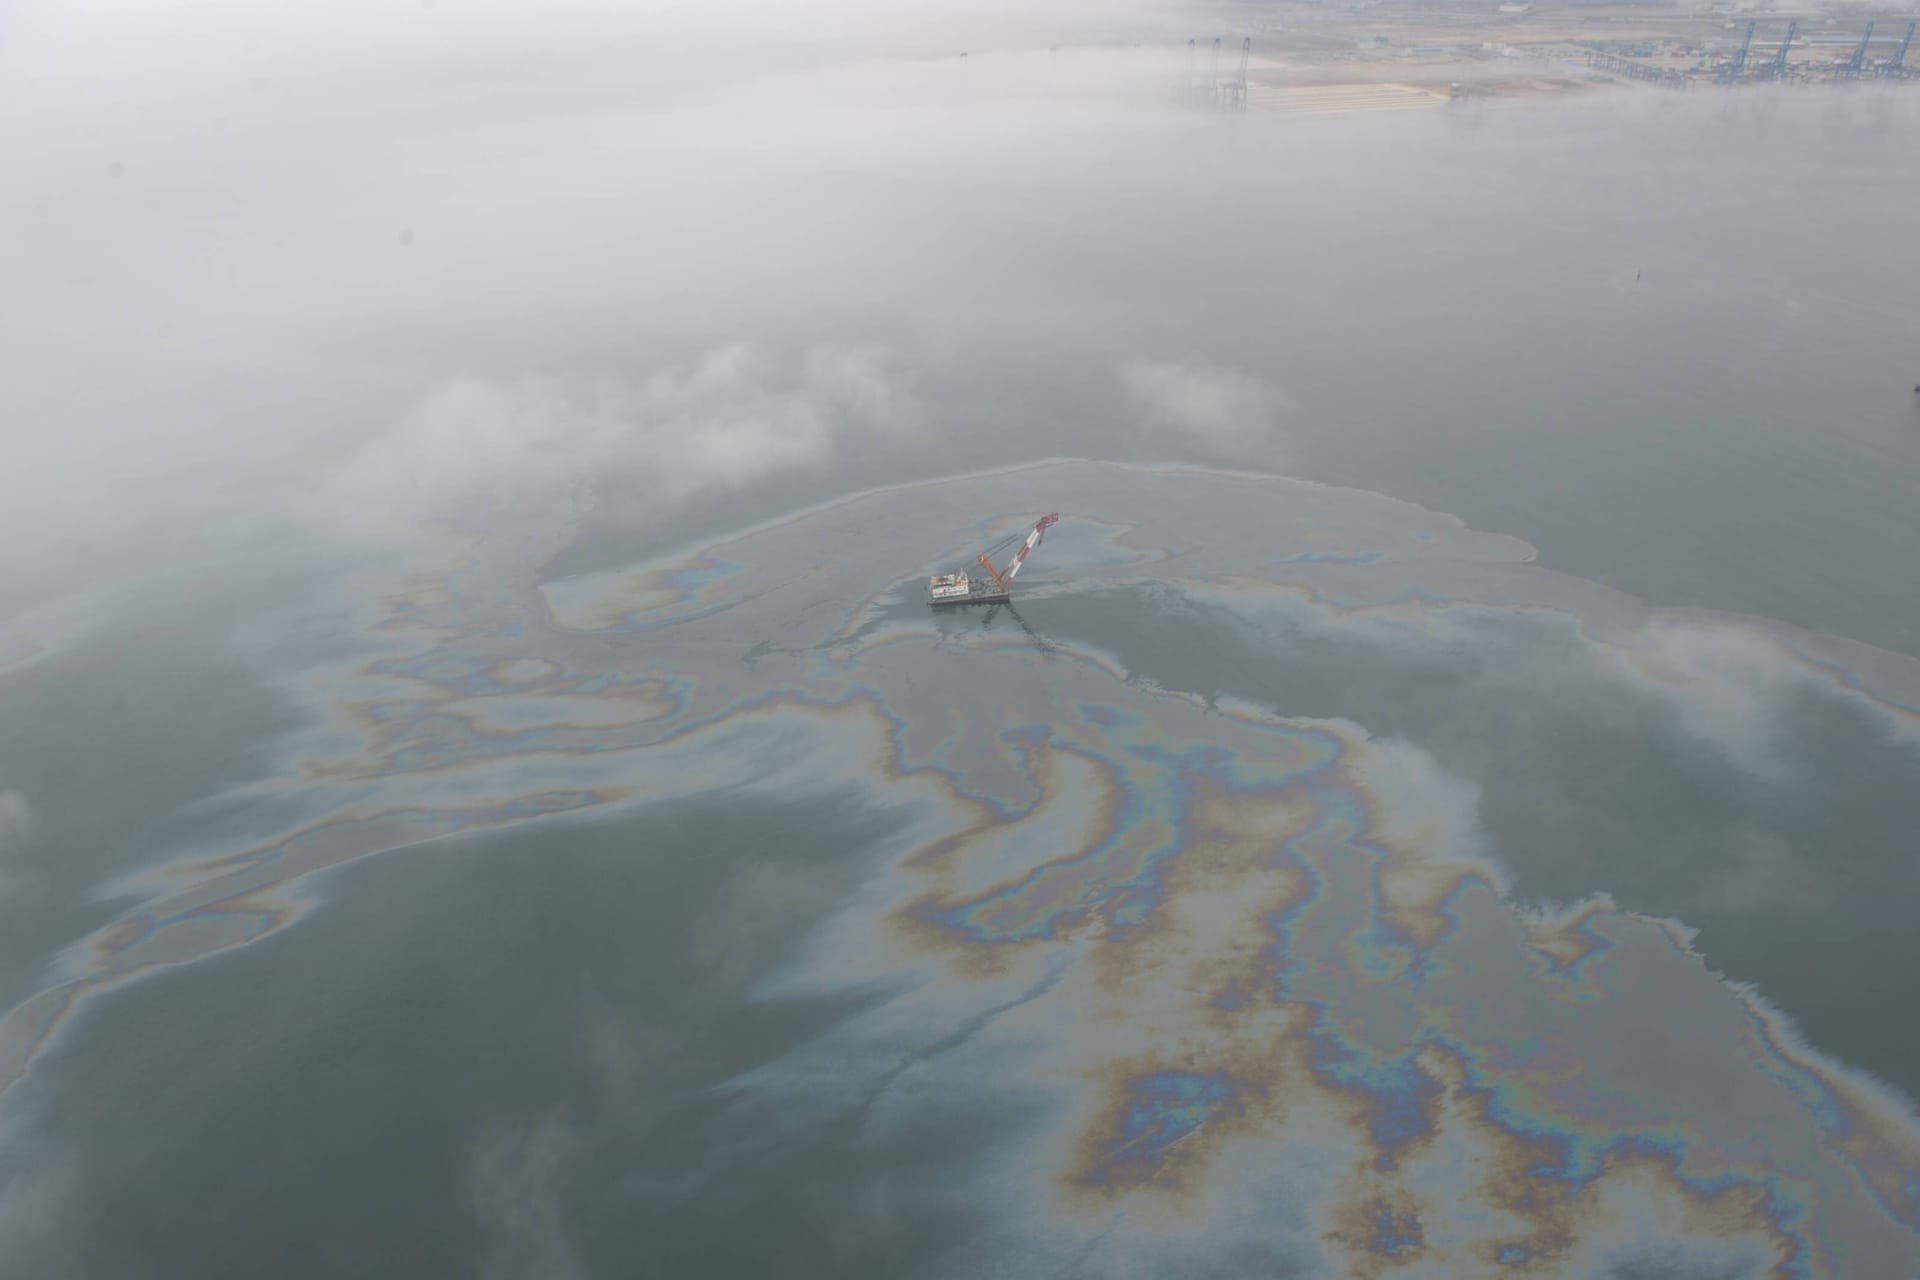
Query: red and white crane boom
column 1003, row 578
column 1033, row 540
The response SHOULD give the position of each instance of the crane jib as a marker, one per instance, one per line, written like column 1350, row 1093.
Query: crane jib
column 958, row 588
column 1033, row 540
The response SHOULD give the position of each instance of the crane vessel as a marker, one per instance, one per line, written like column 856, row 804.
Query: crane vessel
column 997, row 586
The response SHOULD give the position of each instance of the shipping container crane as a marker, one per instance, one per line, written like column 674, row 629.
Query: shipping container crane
column 1777, row 69
column 1235, row 93
column 1859, row 58
column 1739, row 64
column 997, row 586
column 1898, row 66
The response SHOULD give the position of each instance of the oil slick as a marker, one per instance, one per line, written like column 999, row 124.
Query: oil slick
column 1254, row 982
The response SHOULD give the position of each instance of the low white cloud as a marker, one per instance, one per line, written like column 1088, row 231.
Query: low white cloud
column 16, row 820
column 734, row 416
column 1729, row 683
column 1220, row 406
column 1424, row 810
column 19, row 887
column 516, row 1187
column 36, row 1217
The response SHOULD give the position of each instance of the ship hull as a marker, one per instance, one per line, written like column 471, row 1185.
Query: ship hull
column 947, row 589
column 984, row 597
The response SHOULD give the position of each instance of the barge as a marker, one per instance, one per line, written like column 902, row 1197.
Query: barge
column 944, row 589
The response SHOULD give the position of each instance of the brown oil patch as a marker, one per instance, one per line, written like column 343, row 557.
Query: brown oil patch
column 1566, row 1217
column 928, row 923
column 1379, row 1233
column 1413, row 892
column 1193, row 979
column 1565, row 938
column 1550, row 1208
column 418, row 595
column 1043, row 772
column 923, row 925
column 1139, row 1141
column 1057, row 898
column 644, row 701
column 120, row 935
column 1207, row 931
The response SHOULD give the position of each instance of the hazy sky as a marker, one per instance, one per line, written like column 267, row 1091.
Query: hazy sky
column 363, row 263
column 242, row 240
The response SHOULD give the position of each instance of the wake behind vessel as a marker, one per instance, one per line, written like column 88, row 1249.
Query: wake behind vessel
column 997, row 586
